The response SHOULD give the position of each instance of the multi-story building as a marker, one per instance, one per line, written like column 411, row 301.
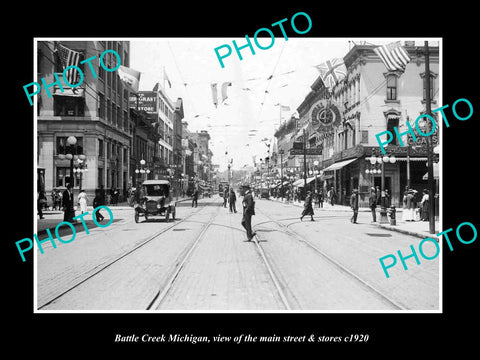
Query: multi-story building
column 96, row 113
column 343, row 122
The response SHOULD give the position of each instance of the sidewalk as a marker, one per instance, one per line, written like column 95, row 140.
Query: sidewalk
column 53, row 217
column 414, row 228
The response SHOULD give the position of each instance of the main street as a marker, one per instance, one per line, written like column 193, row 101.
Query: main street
column 202, row 262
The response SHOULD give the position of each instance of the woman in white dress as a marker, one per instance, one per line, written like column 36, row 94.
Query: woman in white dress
column 82, row 201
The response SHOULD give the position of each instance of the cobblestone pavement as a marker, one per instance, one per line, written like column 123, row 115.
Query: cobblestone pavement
column 130, row 267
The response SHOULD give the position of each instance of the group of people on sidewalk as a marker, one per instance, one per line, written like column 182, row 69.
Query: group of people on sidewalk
column 68, row 204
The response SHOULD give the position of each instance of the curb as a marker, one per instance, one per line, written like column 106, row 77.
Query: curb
column 409, row 232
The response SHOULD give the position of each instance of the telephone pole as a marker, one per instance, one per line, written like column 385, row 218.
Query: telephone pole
column 428, row 110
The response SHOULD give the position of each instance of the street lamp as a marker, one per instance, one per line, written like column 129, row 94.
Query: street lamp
column 381, row 160
column 142, row 170
column 80, row 168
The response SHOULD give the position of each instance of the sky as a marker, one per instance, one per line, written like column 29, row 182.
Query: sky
column 247, row 119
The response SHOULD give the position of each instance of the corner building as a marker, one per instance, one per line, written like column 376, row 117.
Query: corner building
column 370, row 100
column 96, row 113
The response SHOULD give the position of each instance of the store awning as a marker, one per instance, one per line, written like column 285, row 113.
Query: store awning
column 339, row 165
column 298, row 182
column 435, row 172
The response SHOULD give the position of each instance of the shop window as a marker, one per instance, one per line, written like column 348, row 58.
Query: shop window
column 68, row 106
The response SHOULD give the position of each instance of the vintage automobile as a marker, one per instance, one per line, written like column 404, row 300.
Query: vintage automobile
column 156, row 200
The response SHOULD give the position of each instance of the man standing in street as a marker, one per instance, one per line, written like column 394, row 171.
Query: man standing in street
column 354, row 205
column 67, row 202
column 195, row 197
column 248, row 211
column 225, row 197
column 232, row 198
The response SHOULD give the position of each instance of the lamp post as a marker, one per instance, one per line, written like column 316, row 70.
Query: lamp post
column 80, row 168
column 71, row 140
column 382, row 160
column 142, row 170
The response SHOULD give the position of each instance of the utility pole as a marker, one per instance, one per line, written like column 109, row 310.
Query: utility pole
column 428, row 110
column 304, row 164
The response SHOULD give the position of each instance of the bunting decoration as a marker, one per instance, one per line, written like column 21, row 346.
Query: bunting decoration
column 214, row 94
column 224, row 90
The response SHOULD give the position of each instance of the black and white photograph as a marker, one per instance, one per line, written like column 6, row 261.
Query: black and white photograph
column 234, row 189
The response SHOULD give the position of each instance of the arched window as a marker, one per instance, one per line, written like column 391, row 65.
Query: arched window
column 391, row 87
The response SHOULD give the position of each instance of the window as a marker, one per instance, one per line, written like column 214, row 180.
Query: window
column 64, row 148
column 100, row 147
column 100, row 176
column 392, row 122
column 101, row 106
column 391, row 87
column 68, row 106
column 63, row 176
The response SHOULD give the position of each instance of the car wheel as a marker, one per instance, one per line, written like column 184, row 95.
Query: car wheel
column 137, row 219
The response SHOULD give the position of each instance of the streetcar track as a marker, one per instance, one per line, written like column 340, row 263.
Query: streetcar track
column 180, row 264
column 276, row 281
column 99, row 268
column 296, row 235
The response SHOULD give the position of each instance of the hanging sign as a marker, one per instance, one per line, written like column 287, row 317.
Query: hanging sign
column 325, row 114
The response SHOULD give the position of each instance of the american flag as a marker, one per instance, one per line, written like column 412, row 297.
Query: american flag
column 332, row 71
column 69, row 58
column 393, row 55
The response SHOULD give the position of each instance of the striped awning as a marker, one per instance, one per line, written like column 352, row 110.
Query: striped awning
column 339, row 165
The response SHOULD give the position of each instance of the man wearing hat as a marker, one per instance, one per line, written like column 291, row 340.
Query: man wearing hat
column 307, row 206
column 354, row 205
column 248, row 211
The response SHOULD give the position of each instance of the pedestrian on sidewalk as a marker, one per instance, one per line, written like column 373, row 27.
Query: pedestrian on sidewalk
column 67, row 201
column 320, row 198
column 332, row 195
column 248, row 211
column 82, row 201
column 354, row 205
column 408, row 206
column 232, row 198
column 195, row 197
column 98, row 201
column 307, row 207
column 372, row 203
column 225, row 197
column 424, row 206
column 41, row 201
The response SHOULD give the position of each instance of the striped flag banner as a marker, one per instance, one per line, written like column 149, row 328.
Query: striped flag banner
column 394, row 56
column 332, row 71
column 214, row 94
column 68, row 58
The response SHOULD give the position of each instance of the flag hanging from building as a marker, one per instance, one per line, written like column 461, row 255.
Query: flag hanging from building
column 332, row 71
column 68, row 58
column 393, row 55
column 224, row 90
column 214, row 94
column 129, row 77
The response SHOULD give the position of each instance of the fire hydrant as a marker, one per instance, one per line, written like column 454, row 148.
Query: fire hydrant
column 392, row 213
